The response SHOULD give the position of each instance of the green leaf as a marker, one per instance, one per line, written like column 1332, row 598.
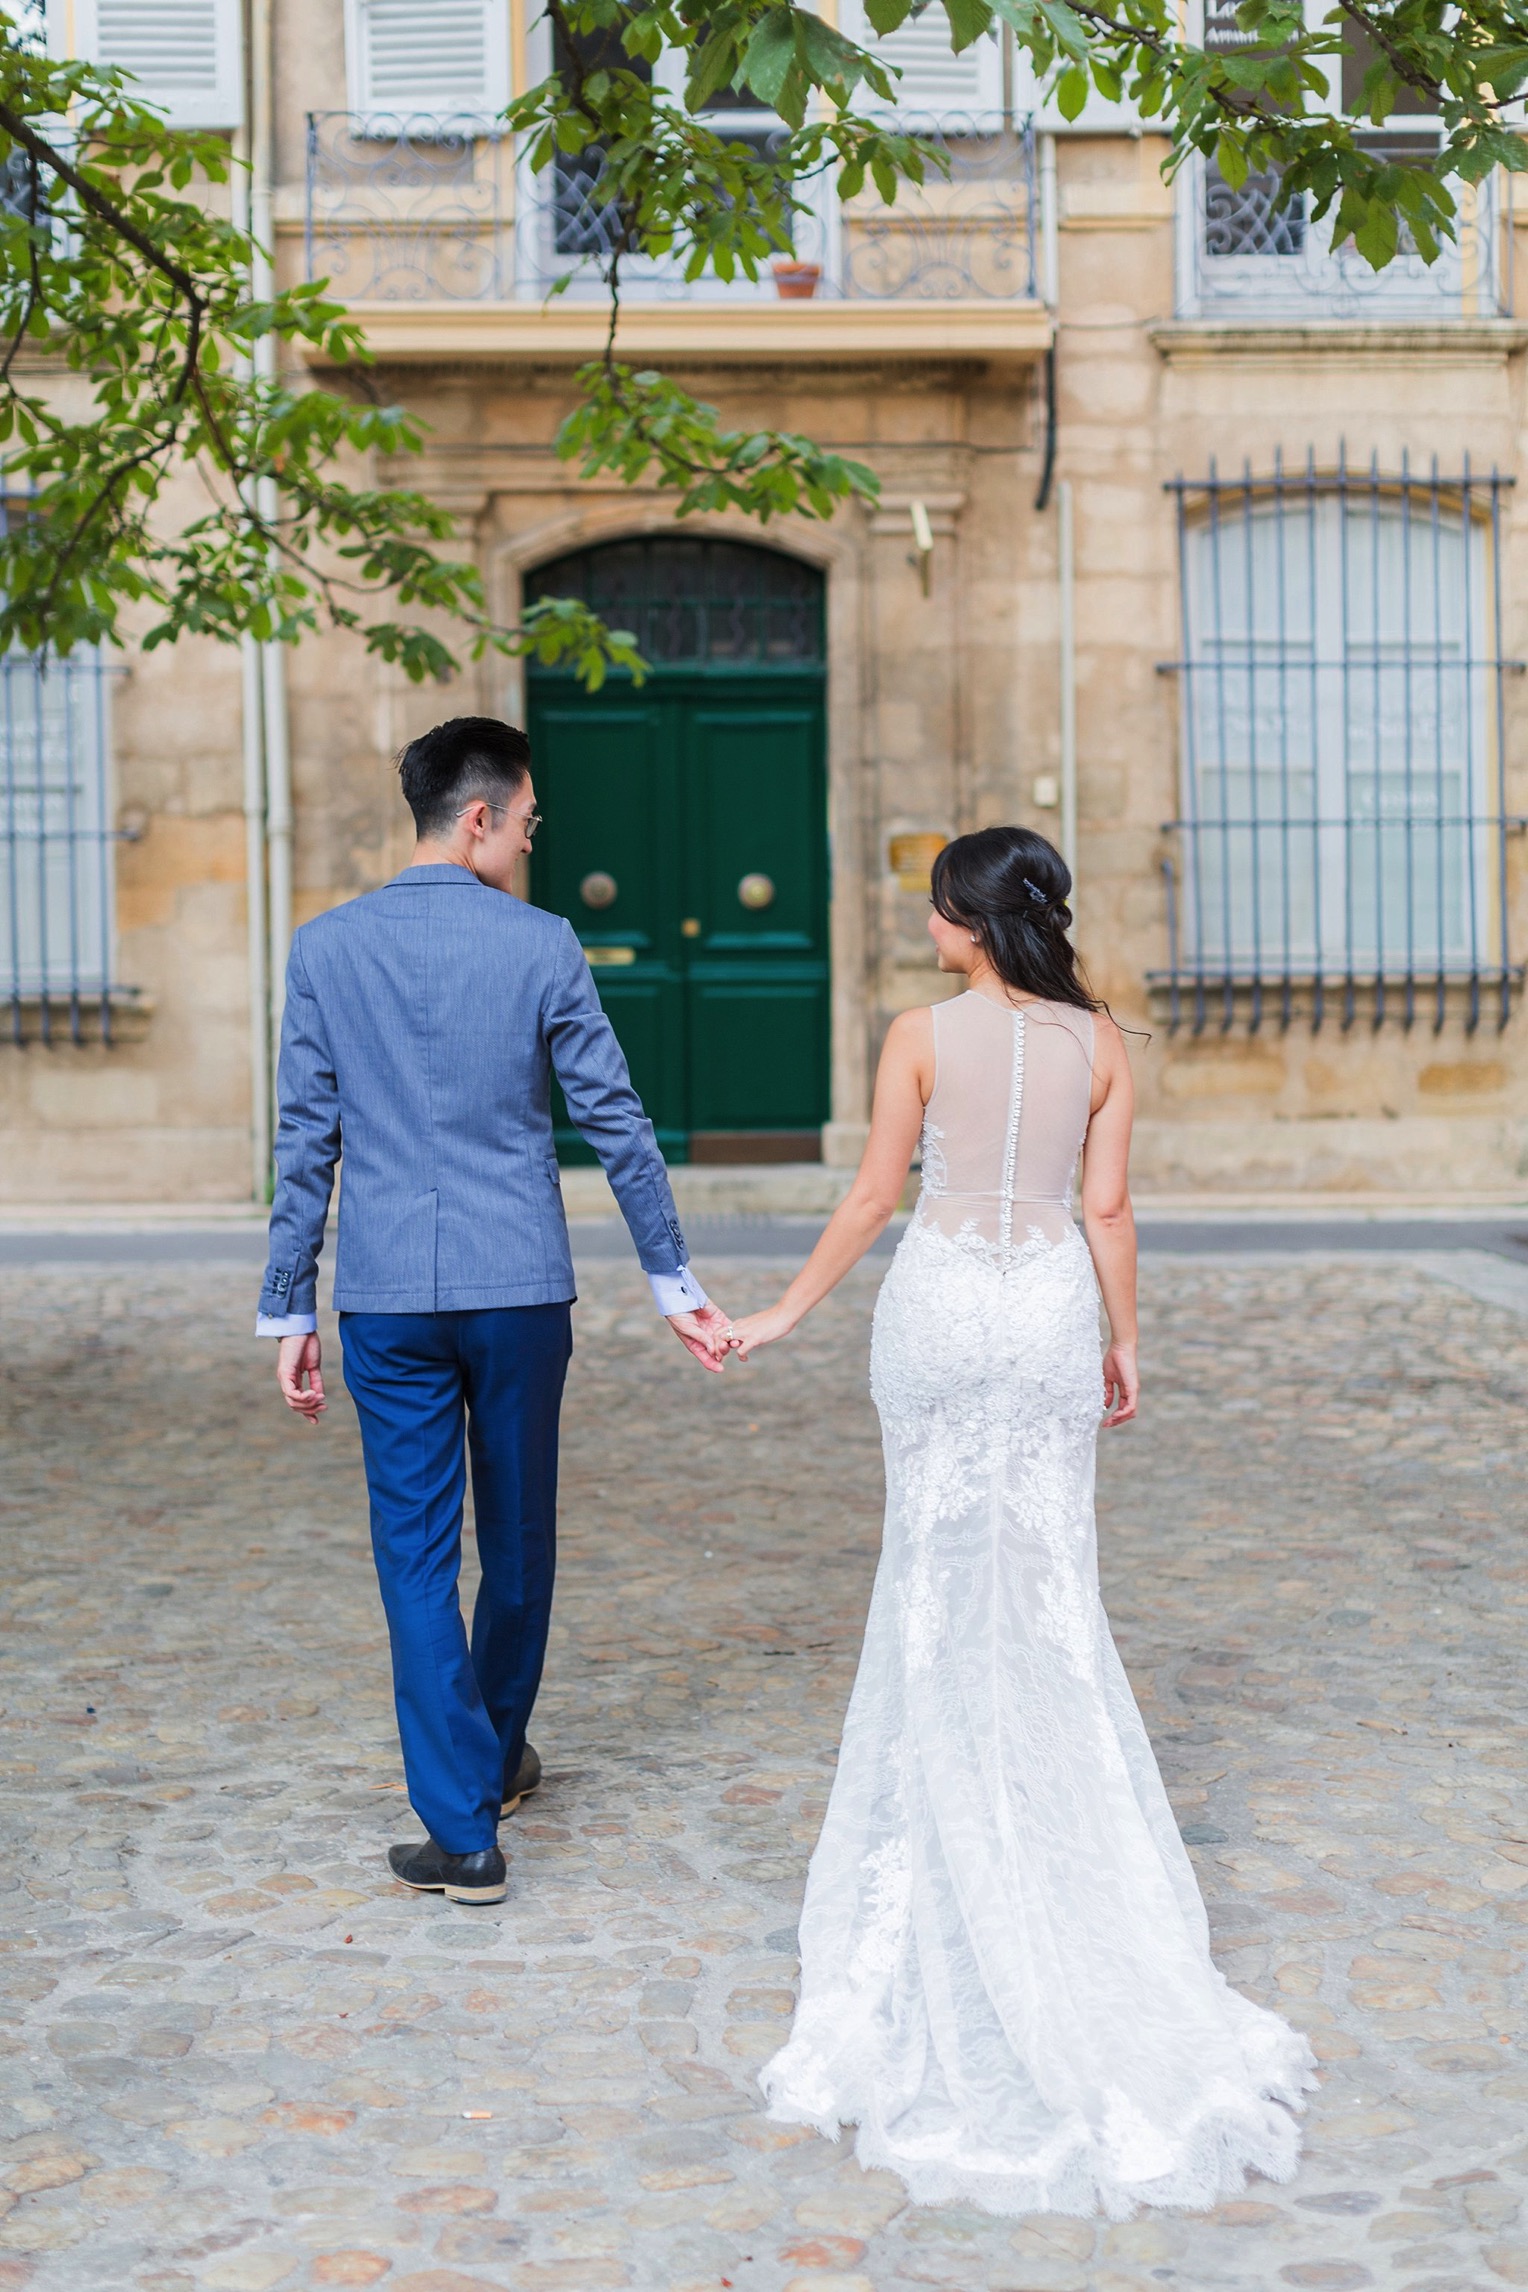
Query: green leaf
column 968, row 20
column 770, row 54
column 826, row 54
column 1377, row 236
column 1066, row 28
column 1231, row 159
column 1072, row 91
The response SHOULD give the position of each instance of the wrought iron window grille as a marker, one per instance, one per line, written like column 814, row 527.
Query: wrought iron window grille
column 1344, row 835
column 1247, row 221
column 697, row 601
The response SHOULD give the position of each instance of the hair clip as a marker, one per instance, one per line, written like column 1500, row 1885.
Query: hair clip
column 1040, row 898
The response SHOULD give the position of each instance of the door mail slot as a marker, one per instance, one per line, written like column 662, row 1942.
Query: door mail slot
column 611, row 955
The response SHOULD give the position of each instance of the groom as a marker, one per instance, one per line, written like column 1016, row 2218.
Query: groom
column 423, row 1025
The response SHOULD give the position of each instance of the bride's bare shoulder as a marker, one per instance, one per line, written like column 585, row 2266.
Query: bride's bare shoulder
column 911, row 1030
column 1108, row 1041
column 909, row 1049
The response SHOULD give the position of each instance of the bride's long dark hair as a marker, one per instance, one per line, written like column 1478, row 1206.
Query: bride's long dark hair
column 1010, row 887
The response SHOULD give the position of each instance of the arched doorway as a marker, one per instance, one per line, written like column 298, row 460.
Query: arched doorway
column 686, row 837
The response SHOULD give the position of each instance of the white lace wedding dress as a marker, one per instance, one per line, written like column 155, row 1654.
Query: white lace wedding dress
column 1006, row 1980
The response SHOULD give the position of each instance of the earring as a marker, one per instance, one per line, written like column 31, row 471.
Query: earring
column 975, row 940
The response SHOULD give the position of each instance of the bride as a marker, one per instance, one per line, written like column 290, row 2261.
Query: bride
column 1006, row 1980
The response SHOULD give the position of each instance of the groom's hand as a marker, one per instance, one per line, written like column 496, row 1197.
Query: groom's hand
column 704, row 1334
column 300, row 1376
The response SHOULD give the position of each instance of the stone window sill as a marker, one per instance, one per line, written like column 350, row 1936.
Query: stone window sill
column 1189, row 340
column 66, row 1021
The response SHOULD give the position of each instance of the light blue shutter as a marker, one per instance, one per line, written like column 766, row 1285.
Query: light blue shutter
column 936, row 84
column 186, row 56
column 437, row 57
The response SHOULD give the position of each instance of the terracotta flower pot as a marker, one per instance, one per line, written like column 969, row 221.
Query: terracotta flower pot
column 796, row 282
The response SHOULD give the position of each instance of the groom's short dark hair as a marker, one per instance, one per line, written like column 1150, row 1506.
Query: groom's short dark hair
column 460, row 760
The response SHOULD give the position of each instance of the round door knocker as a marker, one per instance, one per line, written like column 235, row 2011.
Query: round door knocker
column 756, row 891
column 598, row 889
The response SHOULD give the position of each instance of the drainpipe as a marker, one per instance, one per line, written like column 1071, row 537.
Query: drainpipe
column 1066, row 553
column 1050, row 250
column 254, row 881
column 1050, row 288
column 273, row 693
column 253, row 726
column 1066, row 566
column 278, row 821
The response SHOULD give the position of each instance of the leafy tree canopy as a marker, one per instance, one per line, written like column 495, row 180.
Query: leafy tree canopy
column 122, row 276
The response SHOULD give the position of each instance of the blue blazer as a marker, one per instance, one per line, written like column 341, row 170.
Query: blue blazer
column 423, row 1025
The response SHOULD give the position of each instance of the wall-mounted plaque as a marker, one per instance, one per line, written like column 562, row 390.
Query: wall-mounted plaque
column 910, row 859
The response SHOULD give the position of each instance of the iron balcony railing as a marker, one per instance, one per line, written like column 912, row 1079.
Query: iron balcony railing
column 1343, row 841
column 1239, row 257
column 57, row 848
column 425, row 208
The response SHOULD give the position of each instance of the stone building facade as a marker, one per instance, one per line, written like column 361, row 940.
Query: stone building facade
column 1197, row 549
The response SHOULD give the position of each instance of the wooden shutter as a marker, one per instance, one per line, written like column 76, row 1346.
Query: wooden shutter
column 439, row 57
column 185, row 55
column 935, row 81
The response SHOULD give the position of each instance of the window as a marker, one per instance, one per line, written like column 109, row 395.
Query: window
column 412, row 59
column 1244, row 221
column 56, row 846
column 581, row 225
column 186, row 55
column 567, row 232
column 1341, row 791
column 1241, row 256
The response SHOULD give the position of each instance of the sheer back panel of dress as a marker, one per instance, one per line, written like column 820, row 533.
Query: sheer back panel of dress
column 1005, row 1123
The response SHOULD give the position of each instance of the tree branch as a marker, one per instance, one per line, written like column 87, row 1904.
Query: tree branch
column 107, row 212
column 100, row 206
column 1381, row 38
column 34, row 278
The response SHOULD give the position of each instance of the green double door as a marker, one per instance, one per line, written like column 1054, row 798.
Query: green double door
column 685, row 837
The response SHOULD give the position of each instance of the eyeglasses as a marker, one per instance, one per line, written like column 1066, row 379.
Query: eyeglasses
column 527, row 826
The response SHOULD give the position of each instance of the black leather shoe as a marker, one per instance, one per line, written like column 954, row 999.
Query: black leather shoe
column 460, row 1877
column 527, row 1779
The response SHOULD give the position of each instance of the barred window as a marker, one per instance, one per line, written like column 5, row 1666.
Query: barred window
column 56, row 847
column 1343, row 826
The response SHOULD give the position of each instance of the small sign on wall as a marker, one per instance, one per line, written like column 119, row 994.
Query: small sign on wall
column 911, row 859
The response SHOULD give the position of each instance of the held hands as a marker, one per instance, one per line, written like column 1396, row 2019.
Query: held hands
column 757, row 1329
column 710, row 1336
column 706, row 1334
column 300, row 1376
column 1122, row 1385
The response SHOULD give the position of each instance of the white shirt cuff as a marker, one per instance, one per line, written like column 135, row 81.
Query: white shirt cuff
column 677, row 1292
column 285, row 1324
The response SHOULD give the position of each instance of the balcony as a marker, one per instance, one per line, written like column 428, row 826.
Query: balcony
column 435, row 231
column 1241, row 260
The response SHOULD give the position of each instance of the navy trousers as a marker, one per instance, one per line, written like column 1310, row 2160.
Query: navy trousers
column 416, row 1380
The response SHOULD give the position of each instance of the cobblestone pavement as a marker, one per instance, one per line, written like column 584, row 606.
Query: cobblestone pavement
column 238, row 2058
